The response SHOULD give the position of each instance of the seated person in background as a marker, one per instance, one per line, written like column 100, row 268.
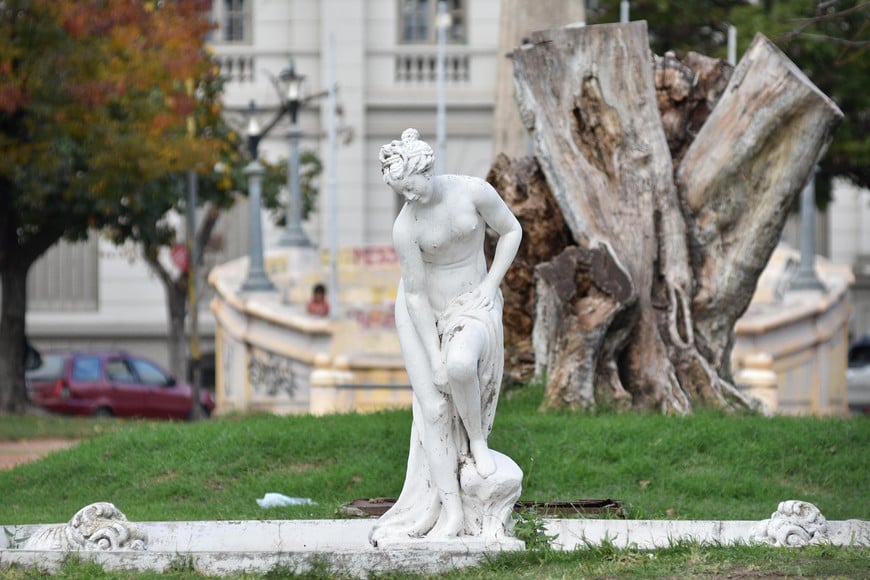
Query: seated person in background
column 318, row 306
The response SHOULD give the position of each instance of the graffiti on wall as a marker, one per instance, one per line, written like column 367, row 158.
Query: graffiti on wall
column 374, row 318
column 367, row 256
column 271, row 374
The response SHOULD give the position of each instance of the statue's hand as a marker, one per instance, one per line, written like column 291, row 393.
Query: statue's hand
column 483, row 296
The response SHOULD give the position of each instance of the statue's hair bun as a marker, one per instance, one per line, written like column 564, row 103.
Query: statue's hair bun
column 408, row 156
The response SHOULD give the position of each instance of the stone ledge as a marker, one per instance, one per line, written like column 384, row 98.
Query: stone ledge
column 232, row 547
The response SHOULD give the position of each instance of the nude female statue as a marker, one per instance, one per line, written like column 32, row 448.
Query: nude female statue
column 449, row 322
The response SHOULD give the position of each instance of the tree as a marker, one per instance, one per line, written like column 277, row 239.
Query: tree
column 93, row 108
column 673, row 186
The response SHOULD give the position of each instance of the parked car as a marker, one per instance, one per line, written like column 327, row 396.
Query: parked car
column 107, row 384
column 858, row 375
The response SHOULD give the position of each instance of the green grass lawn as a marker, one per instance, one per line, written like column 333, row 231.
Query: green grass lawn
column 706, row 466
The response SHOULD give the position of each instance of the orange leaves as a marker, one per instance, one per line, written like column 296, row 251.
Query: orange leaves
column 107, row 79
column 135, row 44
column 95, row 18
column 181, row 103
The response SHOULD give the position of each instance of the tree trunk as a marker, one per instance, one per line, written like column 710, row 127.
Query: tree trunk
column 177, row 296
column 13, row 305
column 740, row 177
column 677, row 259
column 16, row 258
column 176, row 308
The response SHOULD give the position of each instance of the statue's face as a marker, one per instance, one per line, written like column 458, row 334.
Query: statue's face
column 415, row 187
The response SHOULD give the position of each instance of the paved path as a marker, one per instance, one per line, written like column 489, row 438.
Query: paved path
column 13, row 453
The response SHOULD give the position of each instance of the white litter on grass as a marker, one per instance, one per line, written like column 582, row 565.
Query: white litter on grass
column 280, row 500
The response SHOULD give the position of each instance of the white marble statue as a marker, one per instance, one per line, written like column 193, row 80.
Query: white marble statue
column 449, row 322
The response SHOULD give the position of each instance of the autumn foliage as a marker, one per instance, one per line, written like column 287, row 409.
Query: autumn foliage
column 96, row 102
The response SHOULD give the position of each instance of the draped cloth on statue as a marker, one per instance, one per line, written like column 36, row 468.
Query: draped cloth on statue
column 472, row 309
column 418, row 507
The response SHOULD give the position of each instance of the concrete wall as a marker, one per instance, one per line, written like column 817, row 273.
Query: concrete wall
column 849, row 218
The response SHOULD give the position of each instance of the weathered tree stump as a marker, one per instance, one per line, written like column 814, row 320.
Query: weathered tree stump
column 524, row 188
column 671, row 232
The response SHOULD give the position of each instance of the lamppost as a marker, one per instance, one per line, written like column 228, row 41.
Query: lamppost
column 805, row 278
column 291, row 100
column 256, row 280
column 294, row 235
column 443, row 23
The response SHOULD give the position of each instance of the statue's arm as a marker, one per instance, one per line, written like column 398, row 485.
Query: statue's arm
column 499, row 217
column 416, row 296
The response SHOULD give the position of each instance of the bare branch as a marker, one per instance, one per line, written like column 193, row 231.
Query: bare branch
column 155, row 265
column 206, row 227
column 807, row 22
column 836, row 40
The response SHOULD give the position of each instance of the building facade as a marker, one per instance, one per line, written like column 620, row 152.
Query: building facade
column 384, row 63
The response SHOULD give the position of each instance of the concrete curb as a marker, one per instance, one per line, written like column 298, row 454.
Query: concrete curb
column 233, row 547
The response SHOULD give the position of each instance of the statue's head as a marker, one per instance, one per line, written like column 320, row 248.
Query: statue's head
column 407, row 157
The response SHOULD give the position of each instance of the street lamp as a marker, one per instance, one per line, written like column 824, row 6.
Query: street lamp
column 805, row 278
column 294, row 235
column 256, row 280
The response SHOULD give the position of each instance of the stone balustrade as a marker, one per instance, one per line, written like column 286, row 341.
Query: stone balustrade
column 272, row 356
column 790, row 345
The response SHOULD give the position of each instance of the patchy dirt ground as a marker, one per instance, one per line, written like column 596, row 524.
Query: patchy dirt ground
column 13, row 453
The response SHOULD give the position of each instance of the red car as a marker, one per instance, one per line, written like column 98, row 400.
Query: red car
column 111, row 384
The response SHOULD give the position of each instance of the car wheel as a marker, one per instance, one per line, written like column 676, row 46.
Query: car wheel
column 103, row 413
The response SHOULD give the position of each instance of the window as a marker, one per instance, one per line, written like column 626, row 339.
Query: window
column 118, row 370
column 65, row 278
column 149, row 373
column 86, row 368
column 418, row 20
column 51, row 369
column 233, row 19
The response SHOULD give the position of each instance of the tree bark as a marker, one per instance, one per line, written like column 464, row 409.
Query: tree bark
column 739, row 178
column 680, row 257
column 524, row 188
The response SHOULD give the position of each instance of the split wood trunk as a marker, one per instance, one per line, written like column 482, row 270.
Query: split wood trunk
column 670, row 231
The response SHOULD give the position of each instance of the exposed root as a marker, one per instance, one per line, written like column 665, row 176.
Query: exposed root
column 720, row 387
column 677, row 398
column 679, row 302
column 733, row 392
